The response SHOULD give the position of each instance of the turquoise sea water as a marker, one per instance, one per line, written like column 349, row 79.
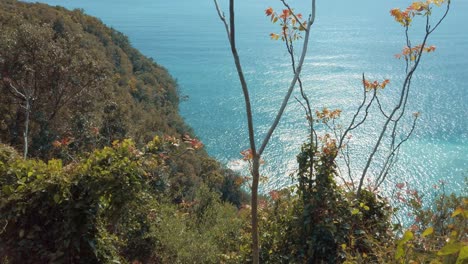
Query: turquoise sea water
column 349, row 38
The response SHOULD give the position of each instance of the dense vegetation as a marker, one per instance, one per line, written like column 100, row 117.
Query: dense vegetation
column 87, row 88
column 71, row 86
column 111, row 174
column 84, row 79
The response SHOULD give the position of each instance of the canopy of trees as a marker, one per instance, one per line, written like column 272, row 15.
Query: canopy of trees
column 80, row 79
column 69, row 84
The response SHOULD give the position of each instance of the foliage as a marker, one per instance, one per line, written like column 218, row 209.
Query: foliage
column 318, row 222
column 438, row 232
column 85, row 81
column 326, row 219
column 161, row 199
column 91, row 87
column 69, row 214
column 111, row 206
column 254, row 154
column 208, row 230
column 102, row 199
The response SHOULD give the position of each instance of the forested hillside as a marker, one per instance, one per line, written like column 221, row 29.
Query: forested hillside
column 70, row 84
column 85, row 82
column 90, row 142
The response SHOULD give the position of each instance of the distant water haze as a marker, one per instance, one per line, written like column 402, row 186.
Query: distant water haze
column 349, row 38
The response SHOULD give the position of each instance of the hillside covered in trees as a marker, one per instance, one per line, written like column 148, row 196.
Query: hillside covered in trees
column 69, row 87
column 83, row 80
column 70, row 84
column 97, row 166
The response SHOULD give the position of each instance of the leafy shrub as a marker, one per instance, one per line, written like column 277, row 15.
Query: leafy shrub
column 114, row 205
column 439, row 232
column 69, row 214
column 203, row 231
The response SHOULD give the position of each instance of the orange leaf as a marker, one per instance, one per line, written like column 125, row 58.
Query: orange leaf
column 274, row 36
column 247, row 154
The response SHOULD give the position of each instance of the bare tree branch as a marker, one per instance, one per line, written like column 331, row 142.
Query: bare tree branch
column 293, row 82
column 223, row 19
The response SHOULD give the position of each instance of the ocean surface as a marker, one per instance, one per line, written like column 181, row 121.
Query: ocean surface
column 349, row 38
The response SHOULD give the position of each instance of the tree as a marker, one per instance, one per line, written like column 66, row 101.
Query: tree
column 253, row 154
column 291, row 23
column 44, row 71
column 392, row 134
column 27, row 96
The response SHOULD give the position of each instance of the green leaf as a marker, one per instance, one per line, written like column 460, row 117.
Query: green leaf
column 457, row 212
column 450, row 249
column 355, row 211
column 400, row 248
column 56, row 198
column 407, row 237
column 463, row 255
column 428, row 231
column 399, row 252
column 7, row 189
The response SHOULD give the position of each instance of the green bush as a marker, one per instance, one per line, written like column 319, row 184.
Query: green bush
column 112, row 206
column 205, row 230
column 72, row 214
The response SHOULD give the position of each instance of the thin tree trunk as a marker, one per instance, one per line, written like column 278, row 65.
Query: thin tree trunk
column 254, row 205
column 255, row 170
column 27, row 96
column 26, row 128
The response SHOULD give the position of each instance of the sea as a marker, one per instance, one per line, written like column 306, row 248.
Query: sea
column 349, row 38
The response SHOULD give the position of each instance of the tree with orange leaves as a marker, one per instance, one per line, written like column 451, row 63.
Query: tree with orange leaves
column 292, row 24
column 255, row 153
